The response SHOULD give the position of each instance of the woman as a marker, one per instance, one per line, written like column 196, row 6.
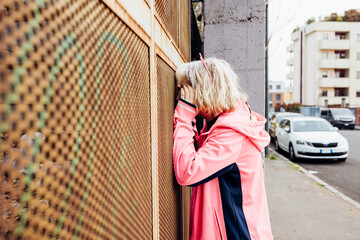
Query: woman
column 226, row 172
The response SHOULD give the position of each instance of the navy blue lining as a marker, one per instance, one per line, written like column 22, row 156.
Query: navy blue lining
column 231, row 197
column 215, row 175
column 211, row 123
column 190, row 104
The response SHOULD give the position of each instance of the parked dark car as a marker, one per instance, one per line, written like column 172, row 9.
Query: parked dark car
column 339, row 117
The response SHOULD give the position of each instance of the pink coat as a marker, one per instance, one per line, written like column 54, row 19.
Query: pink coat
column 226, row 172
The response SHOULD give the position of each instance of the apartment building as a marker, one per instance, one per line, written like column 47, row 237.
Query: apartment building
column 325, row 64
column 276, row 93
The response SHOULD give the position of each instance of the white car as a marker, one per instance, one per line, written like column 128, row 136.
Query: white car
column 310, row 137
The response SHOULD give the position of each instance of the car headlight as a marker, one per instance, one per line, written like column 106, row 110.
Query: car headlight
column 343, row 141
column 300, row 142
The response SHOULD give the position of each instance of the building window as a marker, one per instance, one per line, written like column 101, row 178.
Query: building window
column 358, row 74
column 324, row 93
column 340, row 54
column 270, row 97
column 325, row 74
column 325, row 36
column 270, row 86
column 278, row 97
column 341, row 92
column 340, row 36
column 325, row 55
column 357, row 93
column 278, row 86
column 339, row 73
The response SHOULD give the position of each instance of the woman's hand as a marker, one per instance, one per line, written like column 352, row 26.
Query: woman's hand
column 188, row 94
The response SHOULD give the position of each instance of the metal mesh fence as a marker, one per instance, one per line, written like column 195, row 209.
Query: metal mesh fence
column 169, row 190
column 75, row 123
column 168, row 10
column 185, row 29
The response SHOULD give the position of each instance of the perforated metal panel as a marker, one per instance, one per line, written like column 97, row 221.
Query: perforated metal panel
column 169, row 190
column 75, row 123
column 168, row 10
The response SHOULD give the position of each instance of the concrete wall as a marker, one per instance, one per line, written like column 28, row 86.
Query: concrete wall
column 235, row 31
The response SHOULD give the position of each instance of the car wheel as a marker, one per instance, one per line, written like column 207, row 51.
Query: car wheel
column 292, row 153
column 276, row 143
column 342, row 159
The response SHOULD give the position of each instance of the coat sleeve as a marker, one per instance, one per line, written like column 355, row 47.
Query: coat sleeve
column 219, row 151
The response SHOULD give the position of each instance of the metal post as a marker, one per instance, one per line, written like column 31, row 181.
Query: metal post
column 266, row 74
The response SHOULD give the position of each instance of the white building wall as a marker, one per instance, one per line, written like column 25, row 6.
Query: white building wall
column 296, row 68
column 273, row 86
column 354, row 65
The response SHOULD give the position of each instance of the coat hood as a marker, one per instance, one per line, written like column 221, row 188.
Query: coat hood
column 240, row 121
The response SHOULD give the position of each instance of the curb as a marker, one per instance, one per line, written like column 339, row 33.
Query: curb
column 317, row 180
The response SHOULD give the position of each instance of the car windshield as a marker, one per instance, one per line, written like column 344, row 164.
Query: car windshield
column 279, row 118
column 312, row 126
column 341, row 111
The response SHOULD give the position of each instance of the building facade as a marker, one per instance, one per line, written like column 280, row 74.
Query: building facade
column 325, row 64
column 276, row 94
column 289, row 95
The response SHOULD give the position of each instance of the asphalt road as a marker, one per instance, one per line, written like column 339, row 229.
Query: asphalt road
column 344, row 176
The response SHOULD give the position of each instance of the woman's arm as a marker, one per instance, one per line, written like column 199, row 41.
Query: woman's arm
column 219, row 151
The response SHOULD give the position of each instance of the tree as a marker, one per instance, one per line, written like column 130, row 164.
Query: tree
column 310, row 20
column 334, row 17
column 291, row 107
column 296, row 29
column 352, row 15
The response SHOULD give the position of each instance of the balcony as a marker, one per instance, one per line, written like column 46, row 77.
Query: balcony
column 334, row 44
column 334, row 82
column 333, row 100
column 334, row 63
column 290, row 62
column 290, row 75
column 290, row 48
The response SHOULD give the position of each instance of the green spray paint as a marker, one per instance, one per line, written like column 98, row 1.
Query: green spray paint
column 65, row 45
column 107, row 36
column 20, row 69
column 12, row 98
column 122, row 187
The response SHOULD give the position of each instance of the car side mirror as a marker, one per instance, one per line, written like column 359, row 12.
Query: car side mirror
column 287, row 129
column 336, row 129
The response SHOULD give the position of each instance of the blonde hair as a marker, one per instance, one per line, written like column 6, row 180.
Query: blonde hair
column 212, row 96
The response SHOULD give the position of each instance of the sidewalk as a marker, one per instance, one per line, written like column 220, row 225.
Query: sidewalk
column 303, row 209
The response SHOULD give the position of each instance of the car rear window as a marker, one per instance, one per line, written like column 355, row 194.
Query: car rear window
column 312, row 126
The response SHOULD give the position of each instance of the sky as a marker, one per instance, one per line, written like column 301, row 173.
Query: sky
column 284, row 16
